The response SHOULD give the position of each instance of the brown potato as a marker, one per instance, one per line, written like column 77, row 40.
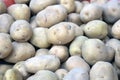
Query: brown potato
column 5, row 22
column 42, row 51
column 19, row 11
column 61, row 33
column 3, row 8
column 45, row 17
column 20, row 52
column 5, row 45
column 60, row 51
column 21, row 31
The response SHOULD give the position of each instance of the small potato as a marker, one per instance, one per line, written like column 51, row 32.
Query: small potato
column 3, row 8
column 5, row 45
column 21, row 1
column 33, row 23
column 40, row 52
column 38, row 5
column 61, row 73
column 61, row 33
column 21, row 31
column 76, row 61
column 20, row 52
column 77, row 74
column 116, row 30
column 20, row 66
column 45, row 17
column 39, row 37
column 94, row 50
column 4, row 68
column 75, row 18
column 43, row 62
column 19, row 11
column 96, row 29
column 76, row 45
column 12, row 74
column 90, row 12
column 44, row 75
column 103, row 71
column 60, row 51
column 5, row 22
column 78, row 6
column 69, row 5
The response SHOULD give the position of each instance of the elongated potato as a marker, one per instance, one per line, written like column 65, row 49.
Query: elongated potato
column 43, row 62
column 45, row 17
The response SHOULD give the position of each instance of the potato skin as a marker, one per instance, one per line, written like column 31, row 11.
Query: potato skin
column 43, row 62
column 4, row 68
column 45, row 17
column 3, row 8
column 20, row 52
column 5, row 45
column 61, row 33
column 21, row 31
column 38, row 5
column 78, row 6
column 42, row 51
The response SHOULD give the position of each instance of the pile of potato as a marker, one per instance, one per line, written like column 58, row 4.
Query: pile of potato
column 60, row 40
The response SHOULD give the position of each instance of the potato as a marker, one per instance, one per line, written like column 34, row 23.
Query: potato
column 69, row 5
column 117, row 70
column 39, row 37
column 4, row 68
column 40, row 52
column 103, row 71
column 21, row 1
column 115, row 30
column 20, row 66
column 111, row 12
column 45, row 17
column 99, row 2
column 38, row 5
column 33, row 23
column 78, row 6
column 20, row 52
column 5, row 45
column 61, row 33
column 76, row 45
column 76, row 61
column 75, row 18
column 60, row 51
column 5, row 22
column 94, row 50
column 44, row 74
column 43, row 62
column 1, row 76
column 12, row 74
column 19, row 11
column 61, row 73
column 77, row 74
column 3, row 8
column 90, row 12
column 21, row 31
column 96, row 29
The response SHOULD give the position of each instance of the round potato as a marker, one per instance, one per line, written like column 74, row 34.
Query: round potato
column 78, row 6
column 21, row 1
column 39, row 37
column 77, row 74
column 5, row 22
column 61, row 73
column 5, row 45
column 96, row 29
column 3, row 8
column 12, row 74
column 43, row 62
column 90, row 12
column 61, row 33
column 103, row 71
column 45, row 17
column 69, row 5
column 19, row 11
column 40, row 52
column 60, row 51
column 44, row 74
column 76, row 45
column 76, row 61
column 38, row 5
column 20, row 52
column 21, row 31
